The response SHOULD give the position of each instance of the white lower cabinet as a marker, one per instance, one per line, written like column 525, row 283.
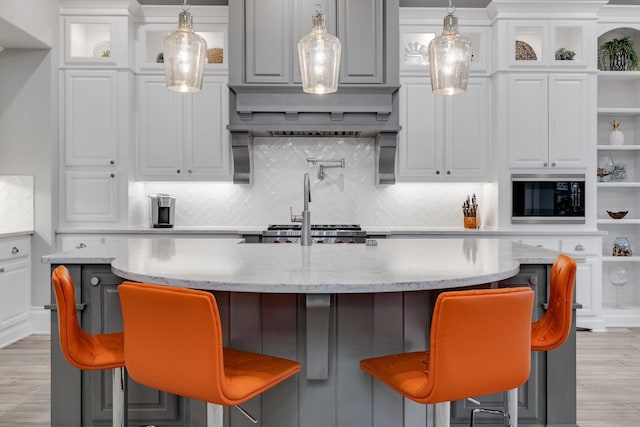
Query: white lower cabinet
column 15, row 289
column 587, row 292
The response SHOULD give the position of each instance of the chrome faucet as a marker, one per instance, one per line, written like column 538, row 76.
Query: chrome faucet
column 305, row 218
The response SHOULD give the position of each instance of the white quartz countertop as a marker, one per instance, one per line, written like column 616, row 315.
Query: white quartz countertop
column 391, row 266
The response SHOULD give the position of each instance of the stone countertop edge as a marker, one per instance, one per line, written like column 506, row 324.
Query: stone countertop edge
column 174, row 262
column 15, row 233
column 374, row 230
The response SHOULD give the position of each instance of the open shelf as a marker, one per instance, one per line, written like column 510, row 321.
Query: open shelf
column 623, row 147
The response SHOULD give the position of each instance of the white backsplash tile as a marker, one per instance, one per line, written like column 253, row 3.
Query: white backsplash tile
column 345, row 196
column 16, row 203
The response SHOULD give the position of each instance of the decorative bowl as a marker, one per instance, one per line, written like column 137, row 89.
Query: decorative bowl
column 617, row 215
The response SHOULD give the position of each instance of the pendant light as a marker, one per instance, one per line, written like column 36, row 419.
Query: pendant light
column 319, row 57
column 185, row 53
column 449, row 58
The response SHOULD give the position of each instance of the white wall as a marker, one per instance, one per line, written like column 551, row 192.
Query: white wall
column 29, row 125
column 345, row 196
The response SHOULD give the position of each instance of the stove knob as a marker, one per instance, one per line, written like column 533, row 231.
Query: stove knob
column 320, row 241
column 276, row 241
column 288, row 241
column 340, row 241
column 352, row 241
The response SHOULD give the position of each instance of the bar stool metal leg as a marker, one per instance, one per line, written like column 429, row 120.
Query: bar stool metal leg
column 119, row 397
column 512, row 406
column 442, row 414
column 214, row 415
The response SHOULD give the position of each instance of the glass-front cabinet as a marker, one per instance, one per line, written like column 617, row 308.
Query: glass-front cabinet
column 94, row 41
column 149, row 54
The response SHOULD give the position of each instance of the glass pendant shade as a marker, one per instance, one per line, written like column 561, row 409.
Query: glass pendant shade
column 185, row 53
column 319, row 57
column 449, row 59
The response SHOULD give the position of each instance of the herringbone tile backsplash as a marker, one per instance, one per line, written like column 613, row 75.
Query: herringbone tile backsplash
column 345, row 196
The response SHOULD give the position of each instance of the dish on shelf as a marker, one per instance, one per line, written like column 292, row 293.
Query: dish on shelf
column 617, row 215
column 102, row 49
column 524, row 52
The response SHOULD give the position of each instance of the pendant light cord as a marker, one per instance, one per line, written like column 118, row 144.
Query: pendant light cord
column 451, row 8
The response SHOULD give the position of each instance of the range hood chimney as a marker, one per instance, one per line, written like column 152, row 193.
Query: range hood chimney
column 265, row 89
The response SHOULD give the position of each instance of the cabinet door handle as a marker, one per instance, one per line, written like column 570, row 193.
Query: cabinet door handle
column 579, row 248
column 14, row 250
column 81, row 245
column 95, row 281
column 533, row 281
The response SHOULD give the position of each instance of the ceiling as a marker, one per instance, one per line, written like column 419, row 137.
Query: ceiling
column 403, row 3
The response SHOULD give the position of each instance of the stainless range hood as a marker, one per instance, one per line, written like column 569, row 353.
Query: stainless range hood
column 265, row 93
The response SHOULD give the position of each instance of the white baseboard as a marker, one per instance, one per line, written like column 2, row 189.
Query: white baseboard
column 40, row 320
column 15, row 333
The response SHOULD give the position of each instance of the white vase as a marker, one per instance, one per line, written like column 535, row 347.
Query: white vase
column 616, row 137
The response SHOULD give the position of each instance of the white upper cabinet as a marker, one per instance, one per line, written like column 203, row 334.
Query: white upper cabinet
column 547, row 120
column 443, row 138
column 90, row 117
column 183, row 136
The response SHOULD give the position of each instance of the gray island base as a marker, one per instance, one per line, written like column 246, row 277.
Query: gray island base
column 327, row 307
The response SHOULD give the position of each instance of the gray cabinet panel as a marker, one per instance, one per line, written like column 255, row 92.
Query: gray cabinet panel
column 268, row 35
column 362, row 41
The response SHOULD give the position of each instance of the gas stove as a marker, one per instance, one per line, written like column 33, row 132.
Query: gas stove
column 320, row 233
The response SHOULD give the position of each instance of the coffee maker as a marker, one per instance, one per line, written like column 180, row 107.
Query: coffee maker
column 162, row 209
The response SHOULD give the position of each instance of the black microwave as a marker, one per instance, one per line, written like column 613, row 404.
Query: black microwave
column 547, row 199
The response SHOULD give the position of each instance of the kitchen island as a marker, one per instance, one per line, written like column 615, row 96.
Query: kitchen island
column 325, row 306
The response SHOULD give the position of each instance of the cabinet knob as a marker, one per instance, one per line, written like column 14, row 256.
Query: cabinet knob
column 448, row 172
column 189, row 171
column 545, row 164
column 533, row 280
column 111, row 162
column 539, row 246
column 95, row 281
column 14, row 250
column 553, row 164
column 81, row 245
column 113, row 175
column 579, row 248
column 178, row 171
column 437, row 172
column 1, row 269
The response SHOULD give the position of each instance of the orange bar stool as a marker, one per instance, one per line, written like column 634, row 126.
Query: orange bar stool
column 173, row 342
column 86, row 351
column 552, row 329
column 480, row 344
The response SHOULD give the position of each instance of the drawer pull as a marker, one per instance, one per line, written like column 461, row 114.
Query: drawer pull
column 579, row 248
column 95, row 281
column 80, row 245
column 14, row 250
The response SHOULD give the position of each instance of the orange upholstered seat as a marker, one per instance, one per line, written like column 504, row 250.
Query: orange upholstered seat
column 480, row 344
column 81, row 349
column 173, row 342
column 552, row 329
column 89, row 351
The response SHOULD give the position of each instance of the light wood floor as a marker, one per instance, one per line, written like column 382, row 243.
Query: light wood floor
column 608, row 367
